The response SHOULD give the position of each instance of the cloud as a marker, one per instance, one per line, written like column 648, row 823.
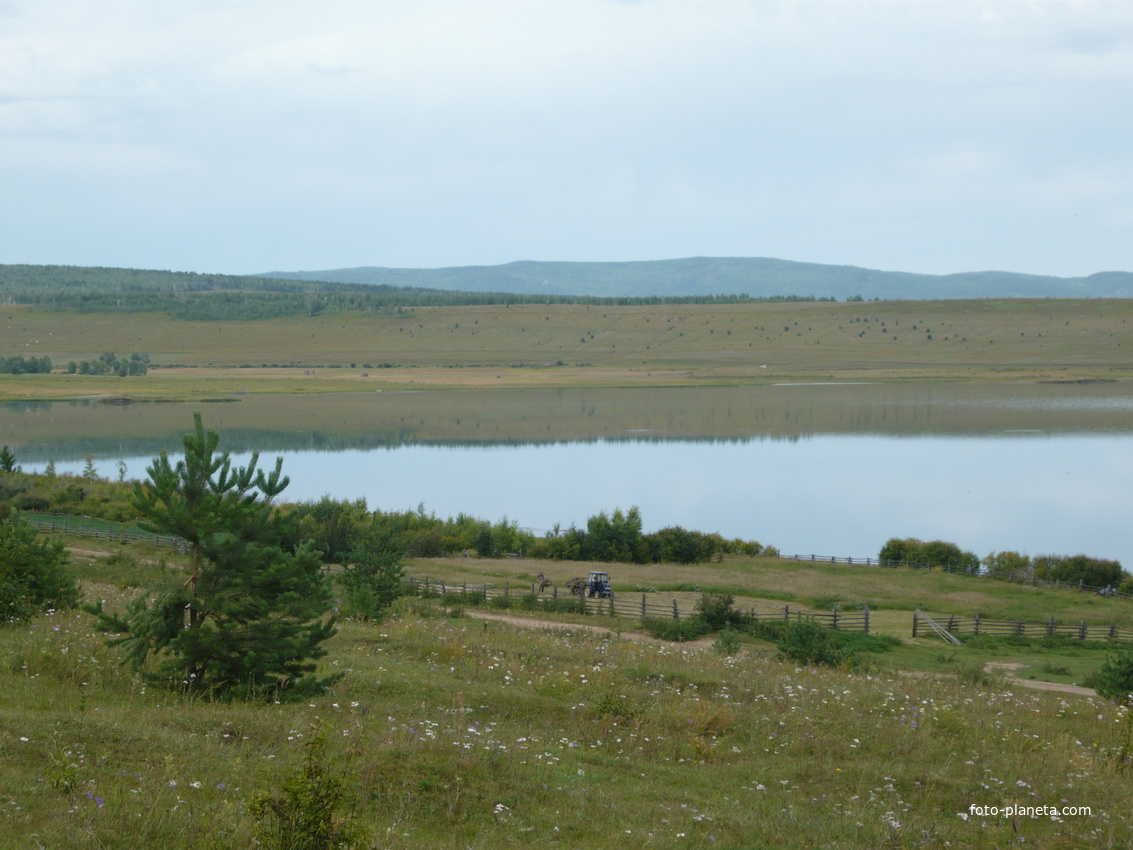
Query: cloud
column 442, row 133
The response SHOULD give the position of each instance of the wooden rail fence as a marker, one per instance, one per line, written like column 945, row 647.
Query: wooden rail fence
column 998, row 576
column 627, row 606
column 75, row 526
column 980, row 625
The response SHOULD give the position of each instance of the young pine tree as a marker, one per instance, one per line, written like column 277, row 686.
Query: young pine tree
column 249, row 617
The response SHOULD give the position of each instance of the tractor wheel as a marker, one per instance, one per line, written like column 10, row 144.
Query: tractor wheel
column 586, row 591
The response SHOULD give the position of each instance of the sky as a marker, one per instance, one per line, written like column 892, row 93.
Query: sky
column 245, row 136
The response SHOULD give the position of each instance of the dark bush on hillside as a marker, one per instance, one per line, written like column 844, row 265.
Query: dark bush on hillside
column 938, row 553
column 1072, row 569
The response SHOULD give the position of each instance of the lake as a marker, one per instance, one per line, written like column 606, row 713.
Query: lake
column 811, row 469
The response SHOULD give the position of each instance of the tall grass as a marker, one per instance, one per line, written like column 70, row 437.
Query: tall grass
column 459, row 733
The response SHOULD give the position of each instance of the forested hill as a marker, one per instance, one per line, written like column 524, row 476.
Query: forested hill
column 754, row 277
column 189, row 295
column 218, row 297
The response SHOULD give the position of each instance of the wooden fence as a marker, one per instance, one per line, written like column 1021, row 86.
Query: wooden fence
column 626, row 605
column 980, row 625
column 83, row 528
column 998, row 576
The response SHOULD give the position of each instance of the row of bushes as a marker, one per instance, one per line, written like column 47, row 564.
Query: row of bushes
column 334, row 525
column 1068, row 569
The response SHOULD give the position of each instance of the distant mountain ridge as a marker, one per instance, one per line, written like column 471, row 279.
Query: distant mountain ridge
column 698, row 276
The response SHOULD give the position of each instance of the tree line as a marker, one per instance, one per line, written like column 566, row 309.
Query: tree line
column 1068, row 569
column 336, row 525
column 216, row 297
column 20, row 366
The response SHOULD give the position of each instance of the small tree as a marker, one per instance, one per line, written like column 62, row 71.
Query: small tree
column 373, row 579
column 1115, row 679
column 8, row 460
column 248, row 615
column 33, row 573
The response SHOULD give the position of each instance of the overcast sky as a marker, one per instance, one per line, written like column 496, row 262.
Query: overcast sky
column 252, row 135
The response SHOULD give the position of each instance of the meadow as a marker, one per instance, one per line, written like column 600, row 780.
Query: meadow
column 456, row 733
column 449, row 731
column 579, row 345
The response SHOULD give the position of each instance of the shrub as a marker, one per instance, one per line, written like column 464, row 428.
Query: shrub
column 715, row 609
column 809, row 643
column 33, row 573
column 672, row 629
column 305, row 816
column 727, row 642
column 1115, row 678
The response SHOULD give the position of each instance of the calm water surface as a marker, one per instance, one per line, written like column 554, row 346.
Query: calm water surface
column 809, row 470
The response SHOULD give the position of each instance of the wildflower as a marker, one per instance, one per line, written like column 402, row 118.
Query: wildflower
column 194, row 784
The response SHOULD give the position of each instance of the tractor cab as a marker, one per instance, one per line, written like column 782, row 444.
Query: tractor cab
column 597, row 584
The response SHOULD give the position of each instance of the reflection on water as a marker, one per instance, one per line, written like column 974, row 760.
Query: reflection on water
column 832, row 470
column 272, row 423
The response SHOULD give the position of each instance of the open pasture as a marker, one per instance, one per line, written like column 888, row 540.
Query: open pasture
column 572, row 345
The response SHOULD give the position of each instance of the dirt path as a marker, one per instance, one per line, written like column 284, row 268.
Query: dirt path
column 1007, row 668
column 606, row 631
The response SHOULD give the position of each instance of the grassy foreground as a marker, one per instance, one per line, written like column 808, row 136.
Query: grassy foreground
column 580, row 345
column 452, row 732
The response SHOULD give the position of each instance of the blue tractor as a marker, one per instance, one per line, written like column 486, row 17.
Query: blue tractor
column 596, row 584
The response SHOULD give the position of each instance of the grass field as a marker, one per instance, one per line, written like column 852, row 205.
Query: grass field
column 564, row 345
column 451, row 732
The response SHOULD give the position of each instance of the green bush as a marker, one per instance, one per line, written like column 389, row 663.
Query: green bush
column 33, row 573
column 306, row 815
column 672, row 629
column 809, row 643
column 1115, row 678
column 715, row 609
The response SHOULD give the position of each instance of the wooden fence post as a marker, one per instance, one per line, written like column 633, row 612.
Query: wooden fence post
column 834, row 619
column 867, row 619
column 507, row 588
column 951, row 622
column 676, row 613
column 554, row 591
column 1113, row 629
column 978, row 618
column 1050, row 627
column 643, row 606
column 914, row 624
column 787, row 612
column 1082, row 631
